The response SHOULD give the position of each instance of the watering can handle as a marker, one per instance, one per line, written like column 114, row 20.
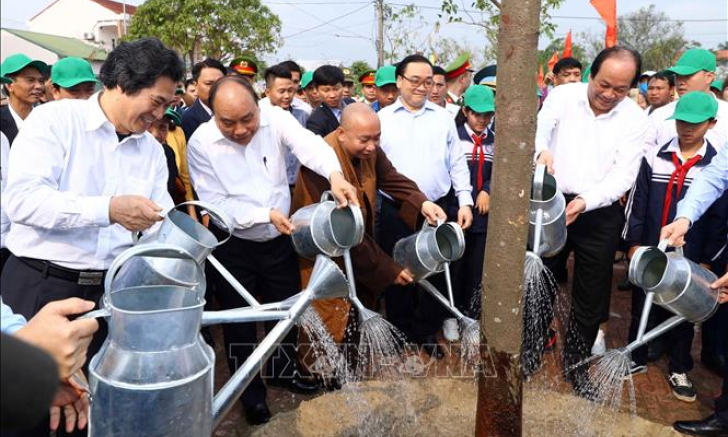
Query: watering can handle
column 157, row 250
column 440, row 222
column 216, row 213
column 662, row 245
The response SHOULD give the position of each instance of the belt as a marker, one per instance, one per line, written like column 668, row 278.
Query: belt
column 80, row 277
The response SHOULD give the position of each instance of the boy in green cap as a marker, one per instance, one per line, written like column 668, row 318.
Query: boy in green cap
column 386, row 83
column 694, row 71
column 73, row 78
column 312, row 96
column 25, row 91
column 477, row 143
column 664, row 178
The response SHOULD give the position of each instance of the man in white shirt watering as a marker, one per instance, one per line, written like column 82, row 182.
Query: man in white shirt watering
column 237, row 163
column 592, row 138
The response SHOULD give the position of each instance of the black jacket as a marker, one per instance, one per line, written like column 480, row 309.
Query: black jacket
column 193, row 118
column 7, row 124
column 322, row 121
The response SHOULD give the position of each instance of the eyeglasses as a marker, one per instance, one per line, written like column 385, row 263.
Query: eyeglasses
column 417, row 82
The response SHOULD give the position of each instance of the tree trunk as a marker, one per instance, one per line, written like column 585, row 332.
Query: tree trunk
column 499, row 411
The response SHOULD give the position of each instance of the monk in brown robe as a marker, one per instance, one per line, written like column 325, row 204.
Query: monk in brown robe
column 366, row 167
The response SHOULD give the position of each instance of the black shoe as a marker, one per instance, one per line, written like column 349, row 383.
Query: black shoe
column 257, row 414
column 713, row 362
column 296, row 385
column 682, row 387
column 433, row 348
column 624, row 284
column 709, row 427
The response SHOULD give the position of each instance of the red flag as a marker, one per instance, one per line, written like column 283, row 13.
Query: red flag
column 540, row 76
column 568, row 49
column 607, row 9
column 554, row 59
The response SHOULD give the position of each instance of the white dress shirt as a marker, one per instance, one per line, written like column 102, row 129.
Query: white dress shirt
column 595, row 157
column 424, row 146
column 303, row 106
column 65, row 166
column 246, row 182
column 663, row 130
column 16, row 117
column 4, row 161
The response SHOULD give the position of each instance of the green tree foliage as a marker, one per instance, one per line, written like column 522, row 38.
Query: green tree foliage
column 220, row 29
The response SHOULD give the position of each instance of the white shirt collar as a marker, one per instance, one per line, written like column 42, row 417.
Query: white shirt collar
column 472, row 132
column 674, row 147
column 209, row 111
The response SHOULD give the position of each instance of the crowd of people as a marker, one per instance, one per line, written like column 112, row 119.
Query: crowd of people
column 640, row 157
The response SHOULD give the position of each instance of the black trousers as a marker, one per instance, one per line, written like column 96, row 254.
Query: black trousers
column 472, row 275
column 269, row 271
column 679, row 340
column 414, row 312
column 27, row 290
column 721, row 404
column 593, row 238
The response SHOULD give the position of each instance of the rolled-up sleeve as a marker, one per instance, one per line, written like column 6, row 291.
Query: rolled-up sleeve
column 10, row 321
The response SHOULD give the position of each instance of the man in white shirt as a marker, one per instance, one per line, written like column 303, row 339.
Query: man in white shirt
column 592, row 138
column 421, row 140
column 83, row 175
column 694, row 71
column 237, row 163
column 25, row 90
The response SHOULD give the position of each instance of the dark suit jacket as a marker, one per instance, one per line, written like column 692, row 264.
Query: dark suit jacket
column 7, row 124
column 193, row 118
column 322, row 121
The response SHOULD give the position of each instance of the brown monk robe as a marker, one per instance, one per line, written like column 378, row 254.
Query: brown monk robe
column 375, row 269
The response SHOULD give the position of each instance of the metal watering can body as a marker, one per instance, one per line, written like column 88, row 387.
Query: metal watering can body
column 425, row 252
column 678, row 284
column 180, row 230
column 547, row 212
column 154, row 367
column 323, row 229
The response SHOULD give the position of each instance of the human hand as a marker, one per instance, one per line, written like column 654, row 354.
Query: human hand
column 482, row 203
column 465, row 217
column 722, row 286
column 404, row 278
column 73, row 402
column 343, row 191
column 281, row 222
column 432, row 212
column 547, row 159
column 573, row 209
column 675, row 232
column 66, row 341
column 135, row 213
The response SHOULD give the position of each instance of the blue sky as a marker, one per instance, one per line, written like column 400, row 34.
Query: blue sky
column 352, row 36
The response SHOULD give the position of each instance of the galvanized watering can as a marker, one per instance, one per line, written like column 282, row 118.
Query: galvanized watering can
column 426, row 252
column 675, row 283
column 179, row 229
column 154, row 374
column 678, row 284
column 547, row 230
column 324, row 229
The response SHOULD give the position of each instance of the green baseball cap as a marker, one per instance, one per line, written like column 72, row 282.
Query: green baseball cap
column 4, row 79
column 695, row 107
column 15, row 63
column 385, row 76
column 717, row 84
column 306, row 79
column 585, row 75
column 692, row 61
column 479, row 98
column 174, row 115
column 69, row 72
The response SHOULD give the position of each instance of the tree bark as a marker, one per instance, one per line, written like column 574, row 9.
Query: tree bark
column 499, row 410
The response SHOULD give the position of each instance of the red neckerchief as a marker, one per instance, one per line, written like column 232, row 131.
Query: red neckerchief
column 677, row 176
column 479, row 156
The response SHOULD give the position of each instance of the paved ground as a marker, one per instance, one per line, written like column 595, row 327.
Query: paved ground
column 654, row 399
